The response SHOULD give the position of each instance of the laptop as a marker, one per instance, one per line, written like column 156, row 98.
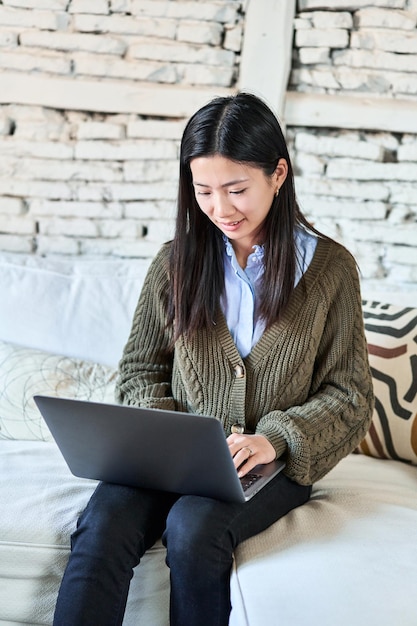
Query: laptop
column 152, row 448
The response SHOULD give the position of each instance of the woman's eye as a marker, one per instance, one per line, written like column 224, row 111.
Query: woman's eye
column 236, row 193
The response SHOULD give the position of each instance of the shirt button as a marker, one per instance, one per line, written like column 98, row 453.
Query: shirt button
column 237, row 429
column 239, row 371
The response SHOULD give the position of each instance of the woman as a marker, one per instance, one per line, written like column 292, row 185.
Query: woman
column 249, row 315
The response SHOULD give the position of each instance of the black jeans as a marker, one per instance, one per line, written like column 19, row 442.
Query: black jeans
column 200, row 534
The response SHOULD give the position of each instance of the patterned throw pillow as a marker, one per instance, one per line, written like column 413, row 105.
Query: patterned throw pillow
column 391, row 332
column 25, row 372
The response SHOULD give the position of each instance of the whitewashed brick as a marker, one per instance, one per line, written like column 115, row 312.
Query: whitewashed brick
column 44, row 150
column 336, row 207
column 309, row 164
column 233, row 38
column 405, row 274
column 160, row 230
column 44, row 20
column 99, row 44
column 401, row 214
column 386, row 140
column 404, row 83
column 150, row 171
column 206, row 75
column 312, row 56
column 341, row 188
column 317, row 78
column 180, row 53
column 404, row 193
column 5, row 125
column 302, row 21
column 99, row 130
column 211, row 11
column 128, row 248
column 363, row 80
column 17, row 225
column 341, row 5
column 37, row 131
column 125, row 24
column 57, row 245
column 16, row 243
column 113, row 210
column 338, row 146
column 12, row 206
column 8, row 39
column 120, row 6
column 120, row 192
column 147, row 129
column 402, row 254
column 382, row 232
column 331, row 19
column 322, row 38
column 150, row 210
column 385, row 18
column 375, row 60
column 402, row 42
column 36, row 189
column 125, row 228
column 28, row 60
column 127, row 150
column 113, row 67
column 408, row 152
column 89, row 6
column 38, row 169
column 51, row 5
column 72, row 227
column 364, row 170
column 200, row 32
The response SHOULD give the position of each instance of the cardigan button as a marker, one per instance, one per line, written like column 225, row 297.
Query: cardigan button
column 237, row 429
column 239, row 371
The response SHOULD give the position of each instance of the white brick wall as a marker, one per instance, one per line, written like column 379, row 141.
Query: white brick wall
column 359, row 186
column 87, row 182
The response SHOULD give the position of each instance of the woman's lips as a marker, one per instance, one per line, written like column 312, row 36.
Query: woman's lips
column 230, row 226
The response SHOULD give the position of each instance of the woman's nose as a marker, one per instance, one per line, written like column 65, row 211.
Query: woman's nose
column 222, row 207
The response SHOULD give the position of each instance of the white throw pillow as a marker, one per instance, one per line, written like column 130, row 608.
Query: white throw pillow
column 25, row 372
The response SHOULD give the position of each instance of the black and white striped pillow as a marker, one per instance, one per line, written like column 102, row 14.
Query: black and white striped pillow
column 391, row 332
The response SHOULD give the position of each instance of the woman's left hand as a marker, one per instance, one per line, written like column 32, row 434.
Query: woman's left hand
column 250, row 450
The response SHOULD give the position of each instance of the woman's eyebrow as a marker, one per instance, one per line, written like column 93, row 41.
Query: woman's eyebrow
column 228, row 184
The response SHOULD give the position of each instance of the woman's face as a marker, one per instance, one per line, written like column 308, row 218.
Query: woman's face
column 236, row 197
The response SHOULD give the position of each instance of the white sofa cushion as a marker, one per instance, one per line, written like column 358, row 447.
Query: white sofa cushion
column 25, row 372
column 80, row 308
column 41, row 501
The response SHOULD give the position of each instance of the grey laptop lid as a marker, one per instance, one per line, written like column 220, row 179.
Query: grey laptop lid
column 152, row 448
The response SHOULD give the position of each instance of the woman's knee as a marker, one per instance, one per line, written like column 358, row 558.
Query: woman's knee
column 194, row 524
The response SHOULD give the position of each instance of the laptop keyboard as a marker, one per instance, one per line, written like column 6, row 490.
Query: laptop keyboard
column 250, row 479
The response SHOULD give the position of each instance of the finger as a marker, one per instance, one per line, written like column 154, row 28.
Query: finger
column 242, row 456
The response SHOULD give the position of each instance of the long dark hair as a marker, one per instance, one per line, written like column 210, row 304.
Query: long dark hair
column 241, row 128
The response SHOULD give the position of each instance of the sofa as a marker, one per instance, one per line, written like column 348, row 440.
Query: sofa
column 349, row 556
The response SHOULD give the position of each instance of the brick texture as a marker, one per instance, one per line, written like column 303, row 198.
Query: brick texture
column 94, row 183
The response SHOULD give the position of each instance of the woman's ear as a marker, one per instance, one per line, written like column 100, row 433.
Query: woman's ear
column 280, row 174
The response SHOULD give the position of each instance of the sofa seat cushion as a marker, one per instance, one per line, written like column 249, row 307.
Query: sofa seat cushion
column 41, row 501
column 347, row 557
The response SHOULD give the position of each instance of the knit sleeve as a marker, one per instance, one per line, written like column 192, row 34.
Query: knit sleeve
column 145, row 369
column 337, row 413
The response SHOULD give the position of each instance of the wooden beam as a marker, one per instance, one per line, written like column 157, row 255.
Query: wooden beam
column 356, row 113
column 172, row 101
column 267, row 50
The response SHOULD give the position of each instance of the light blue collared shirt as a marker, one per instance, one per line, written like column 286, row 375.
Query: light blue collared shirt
column 242, row 289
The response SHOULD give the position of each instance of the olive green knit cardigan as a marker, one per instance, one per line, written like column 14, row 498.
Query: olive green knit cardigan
column 306, row 384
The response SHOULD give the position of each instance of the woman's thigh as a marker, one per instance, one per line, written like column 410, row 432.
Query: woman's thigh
column 194, row 519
